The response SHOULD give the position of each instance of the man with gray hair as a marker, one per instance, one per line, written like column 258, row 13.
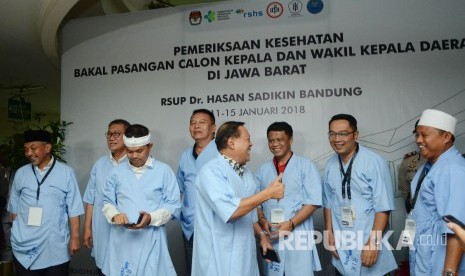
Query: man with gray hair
column 437, row 191
column 226, row 216
column 140, row 197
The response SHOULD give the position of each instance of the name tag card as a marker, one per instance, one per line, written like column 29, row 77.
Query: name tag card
column 348, row 216
column 277, row 215
column 408, row 235
column 35, row 216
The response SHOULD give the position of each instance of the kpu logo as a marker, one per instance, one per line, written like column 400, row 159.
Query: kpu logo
column 195, row 17
column 274, row 10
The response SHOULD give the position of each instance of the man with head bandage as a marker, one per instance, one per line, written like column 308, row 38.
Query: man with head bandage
column 140, row 197
column 437, row 191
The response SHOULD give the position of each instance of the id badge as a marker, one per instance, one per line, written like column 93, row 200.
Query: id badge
column 277, row 215
column 408, row 235
column 348, row 216
column 35, row 216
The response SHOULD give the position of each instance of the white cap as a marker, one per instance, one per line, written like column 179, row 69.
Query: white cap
column 132, row 142
column 438, row 119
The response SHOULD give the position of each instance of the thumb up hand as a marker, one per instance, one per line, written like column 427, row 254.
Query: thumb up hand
column 276, row 187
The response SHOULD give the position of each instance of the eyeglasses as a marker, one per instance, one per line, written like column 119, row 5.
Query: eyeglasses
column 114, row 134
column 343, row 135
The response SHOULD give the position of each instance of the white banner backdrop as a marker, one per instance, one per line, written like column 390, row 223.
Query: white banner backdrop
column 259, row 62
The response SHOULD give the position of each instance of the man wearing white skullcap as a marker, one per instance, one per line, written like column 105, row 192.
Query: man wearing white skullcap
column 437, row 190
column 140, row 197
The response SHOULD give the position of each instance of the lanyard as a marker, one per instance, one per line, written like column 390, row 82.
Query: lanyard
column 347, row 175
column 285, row 165
column 424, row 172
column 194, row 153
column 43, row 179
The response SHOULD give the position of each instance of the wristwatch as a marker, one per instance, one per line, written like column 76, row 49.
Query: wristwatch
column 261, row 233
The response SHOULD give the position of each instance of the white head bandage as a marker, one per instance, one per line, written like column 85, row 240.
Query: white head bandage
column 438, row 119
column 132, row 142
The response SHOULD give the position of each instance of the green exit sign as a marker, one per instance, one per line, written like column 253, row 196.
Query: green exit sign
column 19, row 109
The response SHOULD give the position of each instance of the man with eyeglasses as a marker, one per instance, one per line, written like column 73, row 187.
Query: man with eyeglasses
column 96, row 228
column 357, row 198
column 293, row 213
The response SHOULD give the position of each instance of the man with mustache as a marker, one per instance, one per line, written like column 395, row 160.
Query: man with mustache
column 45, row 205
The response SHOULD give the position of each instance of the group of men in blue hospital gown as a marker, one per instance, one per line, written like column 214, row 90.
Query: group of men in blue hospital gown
column 127, row 184
column 357, row 196
column 225, row 204
column 227, row 198
column 224, row 208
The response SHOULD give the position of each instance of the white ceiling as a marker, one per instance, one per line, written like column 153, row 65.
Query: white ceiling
column 29, row 48
column 22, row 58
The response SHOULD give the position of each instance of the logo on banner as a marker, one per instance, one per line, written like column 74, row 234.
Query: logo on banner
column 195, row 17
column 274, row 9
column 295, row 7
column 315, row 6
column 224, row 14
column 249, row 14
column 210, row 16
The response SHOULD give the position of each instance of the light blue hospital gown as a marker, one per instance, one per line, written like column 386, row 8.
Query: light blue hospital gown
column 94, row 196
column 221, row 247
column 43, row 246
column 145, row 251
column 187, row 172
column 303, row 186
column 372, row 192
column 441, row 193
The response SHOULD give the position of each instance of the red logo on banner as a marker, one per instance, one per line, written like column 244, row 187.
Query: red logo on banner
column 195, row 17
column 274, row 10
